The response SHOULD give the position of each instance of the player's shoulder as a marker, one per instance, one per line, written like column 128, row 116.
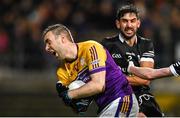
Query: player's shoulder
column 145, row 43
column 113, row 38
column 89, row 43
column 144, row 39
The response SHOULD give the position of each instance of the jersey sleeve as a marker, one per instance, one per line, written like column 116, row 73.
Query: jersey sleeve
column 148, row 53
column 96, row 58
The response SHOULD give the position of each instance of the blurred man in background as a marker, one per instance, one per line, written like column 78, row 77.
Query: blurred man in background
column 126, row 46
column 91, row 63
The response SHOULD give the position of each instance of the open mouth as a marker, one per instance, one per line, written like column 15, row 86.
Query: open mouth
column 52, row 52
column 55, row 54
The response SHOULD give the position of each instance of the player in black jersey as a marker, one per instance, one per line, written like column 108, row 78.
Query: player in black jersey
column 128, row 46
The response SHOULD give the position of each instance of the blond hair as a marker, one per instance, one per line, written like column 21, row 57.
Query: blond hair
column 57, row 29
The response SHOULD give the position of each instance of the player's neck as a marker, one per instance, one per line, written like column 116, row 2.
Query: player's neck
column 132, row 41
column 72, row 53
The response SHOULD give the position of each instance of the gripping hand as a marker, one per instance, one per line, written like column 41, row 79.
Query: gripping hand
column 130, row 64
column 81, row 105
column 175, row 68
column 63, row 93
column 60, row 88
column 67, row 100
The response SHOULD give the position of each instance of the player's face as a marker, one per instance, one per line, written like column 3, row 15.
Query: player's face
column 128, row 25
column 54, row 45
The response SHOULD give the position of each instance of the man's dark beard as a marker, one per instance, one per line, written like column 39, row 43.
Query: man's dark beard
column 126, row 37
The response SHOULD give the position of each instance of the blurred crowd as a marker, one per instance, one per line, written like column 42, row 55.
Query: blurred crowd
column 22, row 23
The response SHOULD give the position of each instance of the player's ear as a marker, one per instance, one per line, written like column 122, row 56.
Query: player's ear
column 63, row 38
column 138, row 23
column 117, row 24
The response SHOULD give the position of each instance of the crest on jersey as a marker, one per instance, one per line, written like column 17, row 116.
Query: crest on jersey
column 82, row 61
column 116, row 55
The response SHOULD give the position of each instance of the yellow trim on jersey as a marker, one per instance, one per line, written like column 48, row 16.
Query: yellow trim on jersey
column 126, row 104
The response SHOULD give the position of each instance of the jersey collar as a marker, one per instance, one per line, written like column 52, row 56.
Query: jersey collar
column 122, row 39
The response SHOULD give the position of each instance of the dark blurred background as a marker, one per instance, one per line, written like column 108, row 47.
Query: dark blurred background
column 28, row 74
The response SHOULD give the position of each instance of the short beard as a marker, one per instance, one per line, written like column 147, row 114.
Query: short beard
column 125, row 36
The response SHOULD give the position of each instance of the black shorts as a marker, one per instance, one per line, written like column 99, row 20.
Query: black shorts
column 147, row 103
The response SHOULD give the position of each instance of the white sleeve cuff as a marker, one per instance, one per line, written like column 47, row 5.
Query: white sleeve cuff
column 173, row 71
column 147, row 59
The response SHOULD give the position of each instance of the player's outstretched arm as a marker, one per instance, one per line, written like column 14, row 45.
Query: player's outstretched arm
column 149, row 73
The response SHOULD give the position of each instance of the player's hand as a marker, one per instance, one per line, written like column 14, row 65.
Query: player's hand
column 63, row 93
column 175, row 68
column 131, row 58
column 130, row 65
column 67, row 100
column 60, row 88
column 81, row 105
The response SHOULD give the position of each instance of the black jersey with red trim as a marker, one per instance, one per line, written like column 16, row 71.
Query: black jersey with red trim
column 142, row 50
